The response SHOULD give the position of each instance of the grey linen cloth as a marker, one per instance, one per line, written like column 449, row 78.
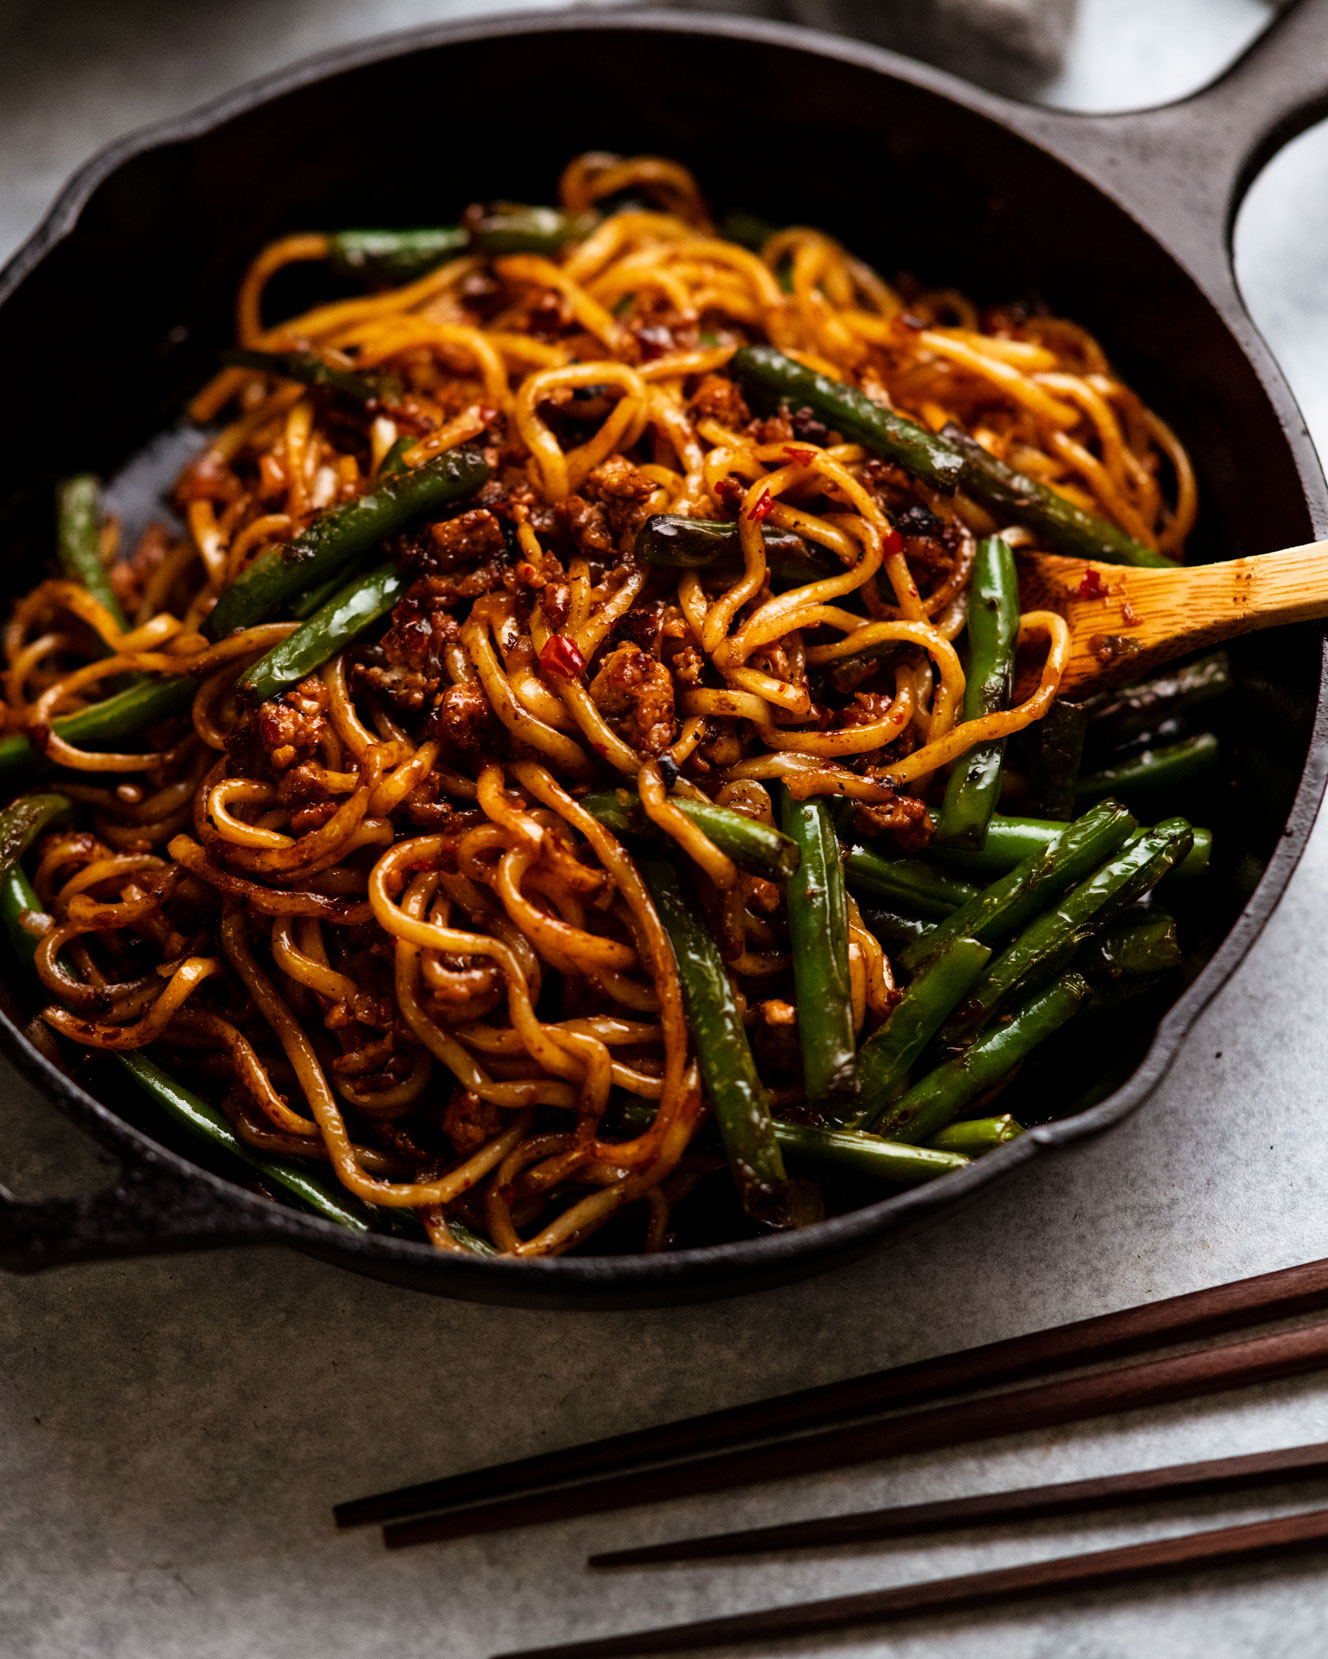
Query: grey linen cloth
column 1011, row 45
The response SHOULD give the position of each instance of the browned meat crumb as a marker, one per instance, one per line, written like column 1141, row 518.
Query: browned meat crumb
column 463, row 720
column 719, row 398
column 291, row 726
column 470, row 1123
column 635, row 693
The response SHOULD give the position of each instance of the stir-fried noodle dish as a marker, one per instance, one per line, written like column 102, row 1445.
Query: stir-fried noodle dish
column 568, row 768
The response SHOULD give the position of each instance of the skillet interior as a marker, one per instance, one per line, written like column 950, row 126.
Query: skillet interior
column 123, row 318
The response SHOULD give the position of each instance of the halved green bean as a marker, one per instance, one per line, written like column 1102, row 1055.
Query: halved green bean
column 323, row 1195
column 368, row 386
column 1171, row 766
column 392, row 256
column 340, row 538
column 78, row 515
column 940, row 985
column 1045, row 943
column 817, row 908
column 767, row 372
column 129, row 714
column 1011, row 840
column 905, row 882
column 737, row 1096
column 698, row 543
column 1135, row 710
column 939, row 1097
column 974, row 1136
column 974, row 784
column 1141, row 942
column 758, row 848
column 849, row 1152
column 1070, row 529
column 343, row 618
column 1016, row 898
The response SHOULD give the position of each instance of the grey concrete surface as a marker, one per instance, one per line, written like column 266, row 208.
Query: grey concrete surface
column 173, row 1432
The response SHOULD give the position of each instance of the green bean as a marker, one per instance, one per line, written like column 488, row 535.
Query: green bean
column 758, row 848
column 1135, row 710
column 818, row 936
column 305, row 604
column 763, row 370
column 396, row 256
column 1141, row 942
column 974, row 784
column 939, row 1097
column 1045, row 943
column 947, row 462
column 1050, row 753
column 748, row 230
column 367, row 386
column 1069, row 529
column 1011, row 840
column 905, row 882
column 361, row 603
column 839, row 1151
column 129, row 714
column 891, row 928
column 697, row 543
column 849, row 1152
column 338, row 540
column 974, row 1136
column 1171, row 766
column 737, row 1096
column 325, row 1197
column 23, row 820
column 941, row 984
column 393, row 256
column 78, row 540
column 510, row 227
column 1016, row 898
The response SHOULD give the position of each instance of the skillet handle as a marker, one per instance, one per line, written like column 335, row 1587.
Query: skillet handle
column 151, row 1208
column 1183, row 169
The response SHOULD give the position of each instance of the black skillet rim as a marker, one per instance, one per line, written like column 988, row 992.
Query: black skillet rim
column 249, row 1216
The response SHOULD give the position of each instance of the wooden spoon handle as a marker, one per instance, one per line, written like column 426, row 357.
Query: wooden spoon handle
column 1125, row 621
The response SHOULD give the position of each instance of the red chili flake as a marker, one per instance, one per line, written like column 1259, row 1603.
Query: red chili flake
column 562, row 658
column 892, row 542
column 803, row 457
column 1092, row 586
column 761, row 507
column 1129, row 616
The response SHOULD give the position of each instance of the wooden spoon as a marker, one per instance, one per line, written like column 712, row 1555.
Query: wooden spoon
column 1124, row 621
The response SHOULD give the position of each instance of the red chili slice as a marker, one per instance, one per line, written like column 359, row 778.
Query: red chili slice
column 760, row 507
column 562, row 658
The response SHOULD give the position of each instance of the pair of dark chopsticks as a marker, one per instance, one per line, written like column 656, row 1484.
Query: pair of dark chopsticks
column 844, row 1424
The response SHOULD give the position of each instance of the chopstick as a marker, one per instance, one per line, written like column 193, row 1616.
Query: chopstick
column 1092, row 1571
column 1016, row 1411
column 1201, row 1313
column 1027, row 1503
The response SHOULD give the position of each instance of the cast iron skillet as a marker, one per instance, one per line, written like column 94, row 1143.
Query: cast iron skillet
column 115, row 309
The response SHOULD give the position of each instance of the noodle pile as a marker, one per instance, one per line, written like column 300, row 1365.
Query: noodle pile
column 371, row 912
